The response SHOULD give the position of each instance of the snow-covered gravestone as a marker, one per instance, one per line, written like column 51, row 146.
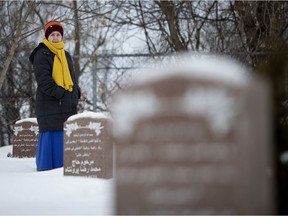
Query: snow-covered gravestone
column 25, row 138
column 193, row 137
column 88, row 146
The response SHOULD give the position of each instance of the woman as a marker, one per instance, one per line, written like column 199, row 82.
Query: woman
column 56, row 96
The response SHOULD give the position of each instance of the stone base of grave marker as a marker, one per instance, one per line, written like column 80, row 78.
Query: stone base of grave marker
column 25, row 138
column 201, row 148
column 88, row 146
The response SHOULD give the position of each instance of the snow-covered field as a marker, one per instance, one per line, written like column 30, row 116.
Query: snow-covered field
column 23, row 191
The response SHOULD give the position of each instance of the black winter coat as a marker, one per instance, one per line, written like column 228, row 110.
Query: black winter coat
column 54, row 104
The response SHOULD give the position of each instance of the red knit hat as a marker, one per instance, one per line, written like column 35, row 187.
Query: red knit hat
column 51, row 26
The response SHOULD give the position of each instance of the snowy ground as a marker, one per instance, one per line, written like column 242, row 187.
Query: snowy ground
column 23, row 191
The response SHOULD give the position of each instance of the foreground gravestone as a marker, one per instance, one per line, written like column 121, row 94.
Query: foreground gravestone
column 25, row 138
column 194, row 138
column 88, row 146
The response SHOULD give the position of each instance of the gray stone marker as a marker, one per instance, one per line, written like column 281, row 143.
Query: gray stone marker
column 88, row 146
column 25, row 138
column 194, row 138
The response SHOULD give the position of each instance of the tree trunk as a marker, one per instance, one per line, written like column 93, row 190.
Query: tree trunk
column 76, row 56
column 168, row 9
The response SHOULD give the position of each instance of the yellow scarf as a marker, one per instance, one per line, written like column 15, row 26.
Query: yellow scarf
column 60, row 72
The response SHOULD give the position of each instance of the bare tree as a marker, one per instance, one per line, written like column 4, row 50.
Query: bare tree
column 12, row 79
column 27, row 7
column 262, row 23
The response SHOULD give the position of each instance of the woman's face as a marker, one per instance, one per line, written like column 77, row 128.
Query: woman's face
column 55, row 37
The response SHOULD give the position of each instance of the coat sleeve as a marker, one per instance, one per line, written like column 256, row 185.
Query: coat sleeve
column 42, row 66
column 72, row 73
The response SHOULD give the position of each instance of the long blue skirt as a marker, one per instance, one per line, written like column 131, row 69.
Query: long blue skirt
column 49, row 153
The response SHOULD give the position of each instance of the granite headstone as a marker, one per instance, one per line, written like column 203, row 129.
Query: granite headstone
column 25, row 138
column 194, row 138
column 88, row 146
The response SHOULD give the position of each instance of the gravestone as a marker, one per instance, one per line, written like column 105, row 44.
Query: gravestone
column 88, row 146
column 25, row 138
column 194, row 138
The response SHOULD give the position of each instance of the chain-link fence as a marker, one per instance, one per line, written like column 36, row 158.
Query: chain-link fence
column 107, row 74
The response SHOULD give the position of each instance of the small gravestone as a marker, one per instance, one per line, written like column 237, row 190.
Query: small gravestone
column 194, row 138
column 88, row 146
column 25, row 138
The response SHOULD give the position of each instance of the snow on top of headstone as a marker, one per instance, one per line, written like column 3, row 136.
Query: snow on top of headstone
column 33, row 120
column 130, row 107
column 89, row 114
column 194, row 65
